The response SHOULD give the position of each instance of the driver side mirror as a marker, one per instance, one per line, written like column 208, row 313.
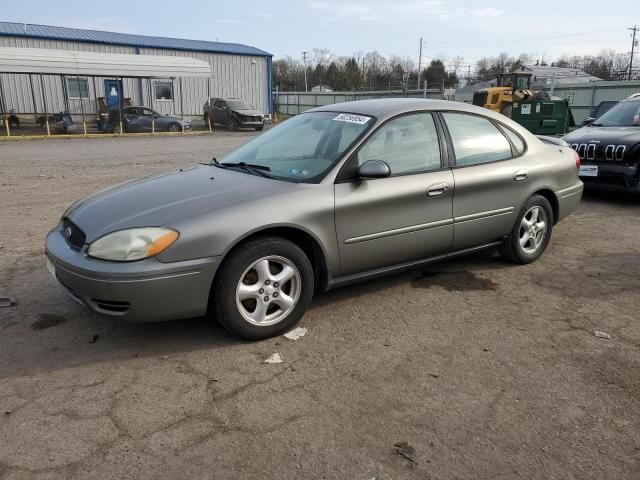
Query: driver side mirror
column 374, row 169
column 588, row 121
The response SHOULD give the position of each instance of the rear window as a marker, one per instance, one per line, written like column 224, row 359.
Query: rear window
column 517, row 142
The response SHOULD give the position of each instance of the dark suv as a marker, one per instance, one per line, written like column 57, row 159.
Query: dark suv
column 609, row 146
column 232, row 112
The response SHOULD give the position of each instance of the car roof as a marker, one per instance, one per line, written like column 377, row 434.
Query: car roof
column 387, row 107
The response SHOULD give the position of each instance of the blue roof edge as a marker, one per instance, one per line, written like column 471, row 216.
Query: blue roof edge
column 232, row 50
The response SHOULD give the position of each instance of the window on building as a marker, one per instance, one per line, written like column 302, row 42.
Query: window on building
column 164, row 91
column 475, row 139
column 77, row 87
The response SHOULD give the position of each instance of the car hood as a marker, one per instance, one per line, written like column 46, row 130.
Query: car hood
column 606, row 135
column 162, row 199
column 249, row 113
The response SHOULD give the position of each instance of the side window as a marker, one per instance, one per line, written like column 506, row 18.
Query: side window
column 475, row 139
column 409, row 144
column 518, row 143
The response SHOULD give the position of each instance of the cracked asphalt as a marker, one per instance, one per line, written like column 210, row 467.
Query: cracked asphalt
column 488, row 370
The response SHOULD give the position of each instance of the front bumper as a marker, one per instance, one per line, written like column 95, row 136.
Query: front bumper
column 622, row 175
column 251, row 123
column 142, row 291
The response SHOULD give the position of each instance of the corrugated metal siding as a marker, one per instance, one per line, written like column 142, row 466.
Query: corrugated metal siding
column 48, row 32
column 582, row 97
column 17, row 90
column 233, row 76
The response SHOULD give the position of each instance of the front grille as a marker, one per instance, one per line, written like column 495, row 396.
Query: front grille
column 74, row 236
column 600, row 153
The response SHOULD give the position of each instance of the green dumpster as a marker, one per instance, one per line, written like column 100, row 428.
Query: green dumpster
column 543, row 117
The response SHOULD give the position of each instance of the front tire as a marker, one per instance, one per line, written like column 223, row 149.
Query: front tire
column 262, row 288
column 531, row 232
column 174, row 127
column 233, row 124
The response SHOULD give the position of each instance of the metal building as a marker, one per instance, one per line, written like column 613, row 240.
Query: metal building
column 237, row 71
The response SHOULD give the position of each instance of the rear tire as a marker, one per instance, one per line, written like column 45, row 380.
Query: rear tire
column 262, row 288
column 531, row 232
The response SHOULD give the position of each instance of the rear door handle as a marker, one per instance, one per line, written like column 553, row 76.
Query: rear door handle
column 437, row 189
column 520, row 175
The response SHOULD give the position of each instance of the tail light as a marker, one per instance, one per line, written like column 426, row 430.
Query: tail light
column 577, row 159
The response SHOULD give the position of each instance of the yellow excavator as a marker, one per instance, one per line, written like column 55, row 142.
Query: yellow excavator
column 510, row 87
column 537, row 111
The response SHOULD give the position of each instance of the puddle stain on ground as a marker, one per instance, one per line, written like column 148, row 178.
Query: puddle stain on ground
column 453, row 281
column 48, row 320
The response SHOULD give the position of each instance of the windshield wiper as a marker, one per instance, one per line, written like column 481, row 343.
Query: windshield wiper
column 248, row 167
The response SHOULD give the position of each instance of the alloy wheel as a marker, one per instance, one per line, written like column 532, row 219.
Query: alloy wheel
column 268, row 290
column 533, row 229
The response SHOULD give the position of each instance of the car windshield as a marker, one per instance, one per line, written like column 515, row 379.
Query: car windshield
column 624, row 114
column 239, row 105
column 305, row 147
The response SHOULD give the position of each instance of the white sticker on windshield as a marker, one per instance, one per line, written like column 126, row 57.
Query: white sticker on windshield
column 352, row 118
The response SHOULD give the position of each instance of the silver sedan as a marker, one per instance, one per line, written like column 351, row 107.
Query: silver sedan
column 339, row 194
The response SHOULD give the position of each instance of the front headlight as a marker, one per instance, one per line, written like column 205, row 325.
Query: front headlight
column 133, row 244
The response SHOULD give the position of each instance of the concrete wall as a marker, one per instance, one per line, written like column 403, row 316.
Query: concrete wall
column 233, row 76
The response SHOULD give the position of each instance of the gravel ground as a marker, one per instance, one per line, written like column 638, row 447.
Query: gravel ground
column 486, row 369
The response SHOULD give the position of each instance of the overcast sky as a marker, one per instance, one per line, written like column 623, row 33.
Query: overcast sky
column 468, row 28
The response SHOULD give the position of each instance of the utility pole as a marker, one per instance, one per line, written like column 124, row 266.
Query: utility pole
column 469, row 74
column 633, row 45
column 304, row 63
column 420, row 62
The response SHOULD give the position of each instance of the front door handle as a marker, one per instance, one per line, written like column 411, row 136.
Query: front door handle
column 520, row 175
column 437, row 189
